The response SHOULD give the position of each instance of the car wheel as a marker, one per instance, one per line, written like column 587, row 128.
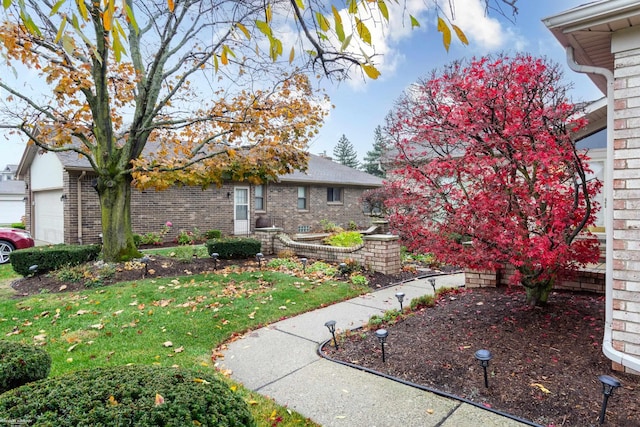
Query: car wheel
column 5, row 249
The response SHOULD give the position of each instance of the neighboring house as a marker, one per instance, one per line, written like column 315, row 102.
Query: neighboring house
column 8, row 173
column 63, row 207
column 602, row 39
column 12, row 194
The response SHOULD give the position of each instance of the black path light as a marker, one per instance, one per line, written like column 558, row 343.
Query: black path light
column 432, row 282
column 400, row 296
column 331, row 325
column 215, row 257
column 304, row 265
column 609, row 384
column 484, row 356
column 259, row 257
column 343, row 268
column 145, row 260
column 382, row 335
column 33, row 270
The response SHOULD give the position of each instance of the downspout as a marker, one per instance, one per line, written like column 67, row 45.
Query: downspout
column 624, row 359
column 79, row 189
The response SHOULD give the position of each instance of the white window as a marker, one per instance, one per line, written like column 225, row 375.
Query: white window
column 303, row 198
column 259, row 198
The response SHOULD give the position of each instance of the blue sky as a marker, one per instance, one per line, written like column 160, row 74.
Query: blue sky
column 408, row 55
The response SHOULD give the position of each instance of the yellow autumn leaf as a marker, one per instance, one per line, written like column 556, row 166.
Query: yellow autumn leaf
column 363, row 31
column 292, row 55
column 159, row 400
column 382, row 5
column 223, row 58
column 446, row 33
column 414, row 22
column 268, row 14
column 171, row 5
column 541, row 387
column 252, row 402
column 461, row 36
column 273, row 414
column 112, row 401
column 244, row 30
column 371, row 71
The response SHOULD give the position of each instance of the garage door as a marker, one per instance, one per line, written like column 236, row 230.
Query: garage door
column 49, row 218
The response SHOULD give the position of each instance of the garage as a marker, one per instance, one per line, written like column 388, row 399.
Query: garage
column 49, row 216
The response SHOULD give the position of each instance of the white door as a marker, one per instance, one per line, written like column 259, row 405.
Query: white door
column 49, row 216
column 241, row 211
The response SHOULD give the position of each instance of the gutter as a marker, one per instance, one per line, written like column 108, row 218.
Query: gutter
column 617, row 356
column 79, row 189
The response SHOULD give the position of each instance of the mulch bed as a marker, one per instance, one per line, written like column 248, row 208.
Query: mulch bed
column 546, row 361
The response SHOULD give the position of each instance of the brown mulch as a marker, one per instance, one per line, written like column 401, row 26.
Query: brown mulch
column 546, row 361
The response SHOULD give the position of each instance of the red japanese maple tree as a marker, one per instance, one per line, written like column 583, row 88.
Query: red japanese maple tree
column 487, row 172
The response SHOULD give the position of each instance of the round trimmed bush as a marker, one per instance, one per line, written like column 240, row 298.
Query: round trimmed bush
column 127, row 396
column 21, row 364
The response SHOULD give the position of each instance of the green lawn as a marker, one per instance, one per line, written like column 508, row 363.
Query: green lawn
column 165, row 321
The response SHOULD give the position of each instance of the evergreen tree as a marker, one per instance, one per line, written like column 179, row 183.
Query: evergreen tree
column 371, row 162
column 345, row 154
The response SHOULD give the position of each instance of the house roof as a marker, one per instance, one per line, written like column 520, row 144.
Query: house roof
column 12, row 187
column 319, row 170
column 325, row 171
column 10, row 168
column 588, row 29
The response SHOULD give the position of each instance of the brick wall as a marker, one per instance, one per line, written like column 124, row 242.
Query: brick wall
column 588, row 280
column 212, row 208
column 379, row 252
column 626, row 204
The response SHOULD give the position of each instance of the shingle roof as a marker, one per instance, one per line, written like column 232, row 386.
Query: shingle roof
column 325, row 171
column 320, row 171
column 12, row 187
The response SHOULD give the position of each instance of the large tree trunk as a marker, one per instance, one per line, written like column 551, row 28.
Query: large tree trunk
column 537, row 291
column 115, row 206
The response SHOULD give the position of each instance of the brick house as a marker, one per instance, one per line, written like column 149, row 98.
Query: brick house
column 63, row 207
column 602, row 39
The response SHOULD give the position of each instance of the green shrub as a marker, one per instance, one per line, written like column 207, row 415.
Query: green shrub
column 422, row 302
column 128, row 395
column 212, row 234
column 137, row 239
column 344, row 239
column 151, row 239
column 18, row 225
column 330, row 226
column 359, row 280
column 323, row 267
column 21, row 364
column 234, row 247
column 73, row 273
column 49, row 258
column 286, row 263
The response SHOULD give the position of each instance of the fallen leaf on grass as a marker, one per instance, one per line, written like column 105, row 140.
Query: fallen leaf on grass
column 72, row 347
column 159, row 400
column 112, row 401
column 167, row 344
column 179, row 349
column 430, row 411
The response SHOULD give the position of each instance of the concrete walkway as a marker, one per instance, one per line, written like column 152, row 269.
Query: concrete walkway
column 281, row 361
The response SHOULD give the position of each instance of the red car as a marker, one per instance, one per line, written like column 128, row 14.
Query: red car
column 12, row 239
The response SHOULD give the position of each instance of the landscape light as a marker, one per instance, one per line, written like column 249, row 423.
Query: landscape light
column 33, row 270
column 484, row 356
column 215, row 256
column 382, row 334
column 432, row 282
column 145, row 260
column 343, row 268
column 400, row 296
column 259, row 257
column 609, row 384
column 304, row 265
column 331, row 325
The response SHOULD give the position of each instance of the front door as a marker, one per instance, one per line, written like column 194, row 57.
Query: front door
column 241, row 211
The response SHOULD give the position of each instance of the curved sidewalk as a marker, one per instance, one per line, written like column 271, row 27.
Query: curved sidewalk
column 281, row 361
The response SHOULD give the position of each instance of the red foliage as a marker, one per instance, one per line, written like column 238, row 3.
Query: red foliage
column 487, row 172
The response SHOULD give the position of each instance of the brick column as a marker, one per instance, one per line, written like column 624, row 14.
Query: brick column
column 626, row 196
column 267, row 236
